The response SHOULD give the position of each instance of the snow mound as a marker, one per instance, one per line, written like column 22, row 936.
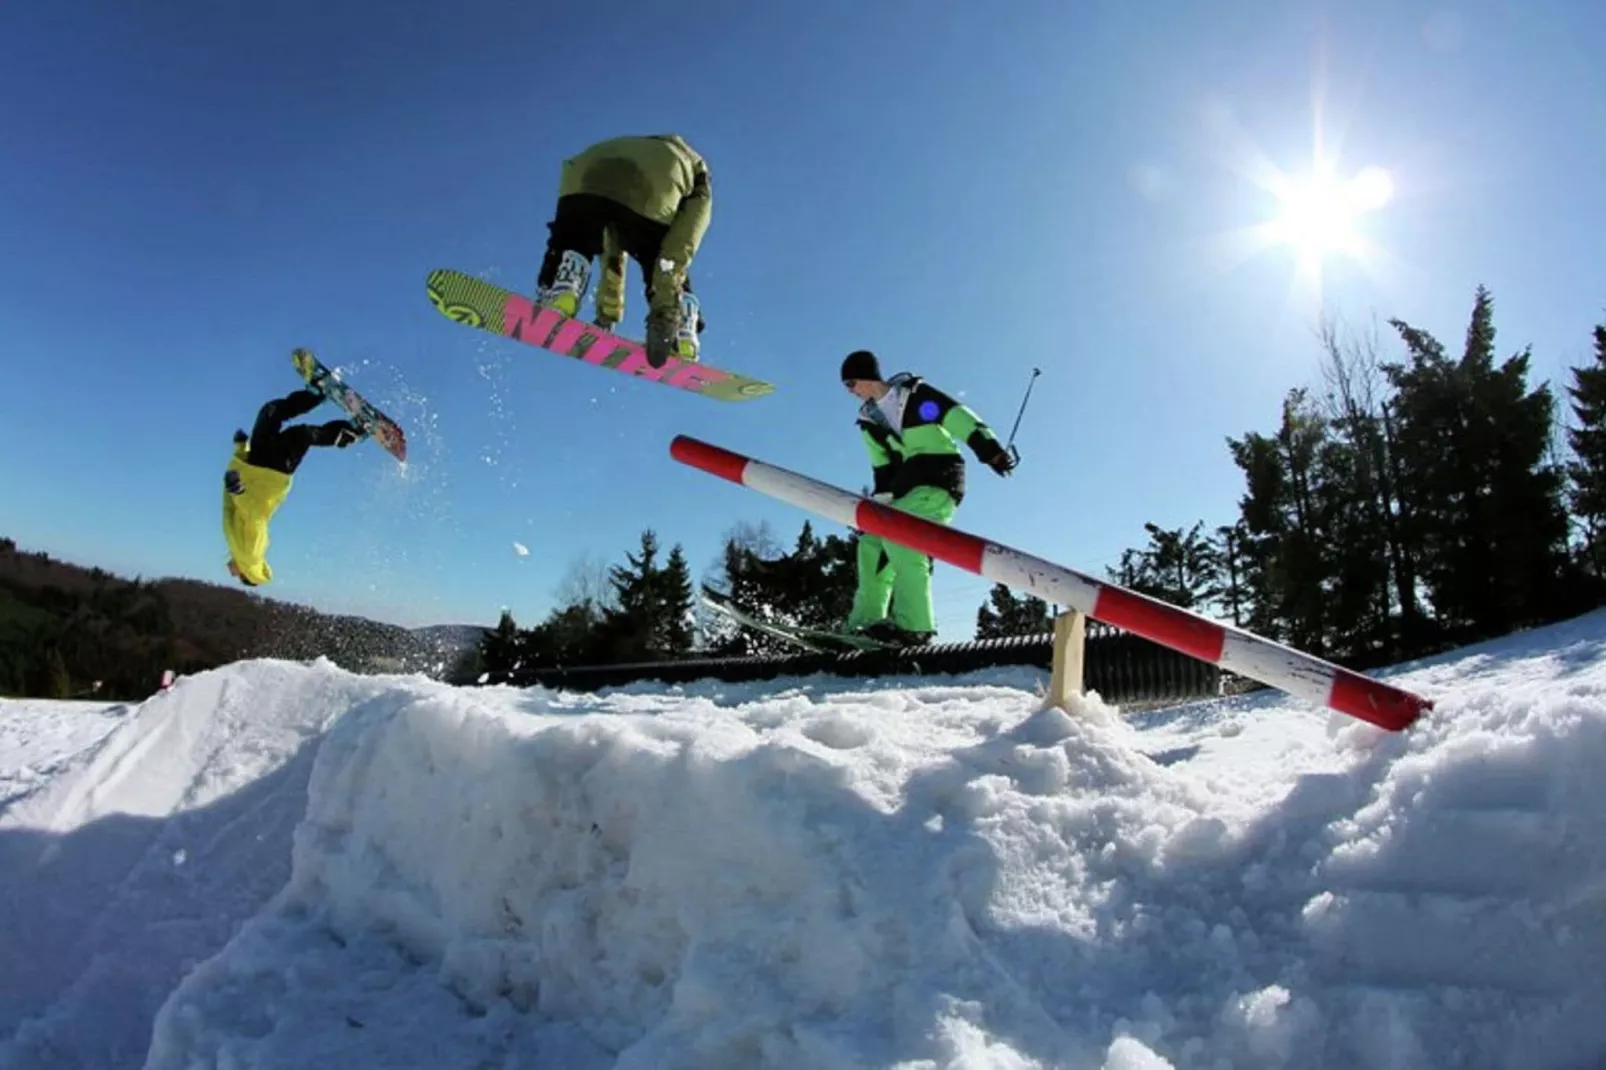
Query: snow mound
column 123, row 871
column 40, row 739
column 815, row 872
column 929, row 875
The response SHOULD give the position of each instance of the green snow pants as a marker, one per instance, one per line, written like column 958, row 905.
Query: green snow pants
column 888, row 571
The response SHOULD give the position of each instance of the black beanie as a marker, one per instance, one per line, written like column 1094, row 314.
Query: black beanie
column 861, row 364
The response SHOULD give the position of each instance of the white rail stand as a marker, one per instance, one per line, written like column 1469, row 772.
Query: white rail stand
column 1065, row 682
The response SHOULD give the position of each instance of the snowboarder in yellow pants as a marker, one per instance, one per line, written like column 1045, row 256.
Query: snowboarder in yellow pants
column 261, row 471
column 912, row 432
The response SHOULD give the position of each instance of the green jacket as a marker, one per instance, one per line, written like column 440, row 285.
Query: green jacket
column 917, row 443
column 661, row 178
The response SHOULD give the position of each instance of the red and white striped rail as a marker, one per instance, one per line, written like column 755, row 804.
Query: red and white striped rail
column 1299, row 674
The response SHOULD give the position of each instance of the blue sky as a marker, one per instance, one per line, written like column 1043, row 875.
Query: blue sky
column 189, row 190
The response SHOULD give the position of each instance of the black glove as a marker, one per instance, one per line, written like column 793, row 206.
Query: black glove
column 1001, row 460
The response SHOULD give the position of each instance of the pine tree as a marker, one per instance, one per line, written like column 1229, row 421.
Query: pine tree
column 1587, row 471
column 675, row 629
column 1284, row 526
column 736, row 577
column 811, row 586
column 1177, row 566
column 822, row 576
column 58, row 684
column 1261, row 527
column 1485, row 505
column 1005, row 614
column 466, row 668
column 499, row 648
column 1229, row 594
column 1376, row 605
column 629, row 629
column 568, row 636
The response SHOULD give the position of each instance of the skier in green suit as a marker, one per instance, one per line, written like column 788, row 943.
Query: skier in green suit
column 913, row 432
column 648, row 198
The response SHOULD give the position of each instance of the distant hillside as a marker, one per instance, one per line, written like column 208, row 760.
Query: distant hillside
column 63, row 628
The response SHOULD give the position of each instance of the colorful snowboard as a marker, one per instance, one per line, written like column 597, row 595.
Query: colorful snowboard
column 362, row 412
column 477, row 303
column 814, row 640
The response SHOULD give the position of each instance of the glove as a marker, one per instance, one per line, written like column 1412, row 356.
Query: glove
column 604, row 322
column 347, row 434
column 1003, row 462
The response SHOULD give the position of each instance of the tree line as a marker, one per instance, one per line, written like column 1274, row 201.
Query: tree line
column 72, row 632
column 1404, row 507
column 647, row 609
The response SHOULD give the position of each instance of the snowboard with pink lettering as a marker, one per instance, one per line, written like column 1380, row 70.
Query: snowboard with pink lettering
column 477, row 303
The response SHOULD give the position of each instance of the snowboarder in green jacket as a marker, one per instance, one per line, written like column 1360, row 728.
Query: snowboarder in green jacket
column 648, row 198
column 913, row 432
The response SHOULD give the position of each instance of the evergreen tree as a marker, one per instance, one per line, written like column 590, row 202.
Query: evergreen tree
column 1376, row 605
column 1486, row 507
column 676, row 632
column 1283, row 537
column 568, row 636
column 628, row 629
column 1004, row 614
column 1587, row 471
column 822, row 575
column 1177, row 566
column 499, row 648
column 1230, row 595
column 58, row 684
column 812, row 586
column 467, row 668
column 735, row 577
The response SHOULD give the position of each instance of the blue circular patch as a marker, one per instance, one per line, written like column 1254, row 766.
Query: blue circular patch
column 928, row 410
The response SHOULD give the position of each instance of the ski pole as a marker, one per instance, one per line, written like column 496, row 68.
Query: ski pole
column 1010, row 445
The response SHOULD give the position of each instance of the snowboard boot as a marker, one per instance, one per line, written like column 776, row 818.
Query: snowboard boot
column 691, row 323
column 884, row 631
column 663, row 335
column 673, row 332
column 569, row 285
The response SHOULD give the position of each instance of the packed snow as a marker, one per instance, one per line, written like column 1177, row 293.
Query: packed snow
column 284, row 865
column 41, row 738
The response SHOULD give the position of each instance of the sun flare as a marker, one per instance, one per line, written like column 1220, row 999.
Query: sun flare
column 1318, row 213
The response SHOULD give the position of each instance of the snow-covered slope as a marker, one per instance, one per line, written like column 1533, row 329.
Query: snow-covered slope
column 818, row 873
column 42, row 738
column 142, row 858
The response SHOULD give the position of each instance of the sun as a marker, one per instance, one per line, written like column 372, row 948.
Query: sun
column 1323, row 217
column 1318, row 213
column 1319, row 216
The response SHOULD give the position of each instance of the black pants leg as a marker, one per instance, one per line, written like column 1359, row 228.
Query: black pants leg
column 280, row 448
column 578, row 225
